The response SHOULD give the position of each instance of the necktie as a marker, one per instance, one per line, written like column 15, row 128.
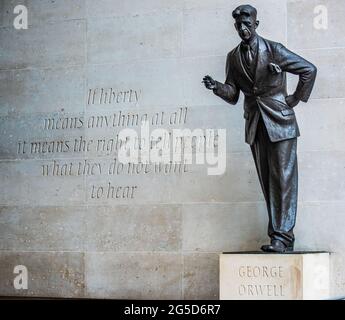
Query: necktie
column 248, row 54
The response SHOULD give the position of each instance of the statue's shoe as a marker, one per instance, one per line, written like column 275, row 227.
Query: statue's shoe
column 277, row 246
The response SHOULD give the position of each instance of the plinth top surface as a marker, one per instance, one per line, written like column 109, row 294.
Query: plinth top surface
column 265, row 253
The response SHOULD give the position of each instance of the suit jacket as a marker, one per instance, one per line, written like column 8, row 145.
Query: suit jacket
column 265, row 93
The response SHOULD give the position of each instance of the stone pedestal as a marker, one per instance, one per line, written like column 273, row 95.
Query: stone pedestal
column 263, row 276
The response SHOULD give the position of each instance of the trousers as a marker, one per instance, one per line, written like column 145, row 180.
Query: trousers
column 276, row 165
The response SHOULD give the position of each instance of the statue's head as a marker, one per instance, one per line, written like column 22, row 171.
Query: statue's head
column 245, row 21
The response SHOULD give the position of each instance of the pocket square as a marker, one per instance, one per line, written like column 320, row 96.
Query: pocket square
column 274, row 68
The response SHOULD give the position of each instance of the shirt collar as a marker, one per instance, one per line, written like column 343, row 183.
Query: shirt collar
column 253, row 43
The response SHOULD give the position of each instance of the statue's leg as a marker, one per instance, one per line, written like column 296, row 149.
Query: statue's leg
column 260, row 155
column 283, row 189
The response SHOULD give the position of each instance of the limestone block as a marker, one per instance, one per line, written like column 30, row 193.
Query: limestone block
column 134, row 37
column 133, row 275
column 306, row 26
column 110, row 8
column 262, row 276
column 57, row 44
column 133, row 228
column 324, row 119
column 42, row 228
column 128, row 85
column 43, row 11
column 224, row 226
column 50, row 274
column 218, row 36
column 200, row 276
column 23, row 183
column 330, row 81
column 42, row 90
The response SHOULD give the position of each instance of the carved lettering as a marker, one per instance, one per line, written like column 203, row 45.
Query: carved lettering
column 112, row 96
column 89, row 144
column 253, row 274
column 260, row 272
column 263, row 290
column 110, row 191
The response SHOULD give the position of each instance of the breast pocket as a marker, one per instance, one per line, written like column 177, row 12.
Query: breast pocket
column 274, row 76
column 287, row 112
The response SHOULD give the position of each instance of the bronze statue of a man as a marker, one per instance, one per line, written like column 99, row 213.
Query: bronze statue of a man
column 258, row 67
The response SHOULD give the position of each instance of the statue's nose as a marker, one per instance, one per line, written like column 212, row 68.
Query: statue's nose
column 242, row 27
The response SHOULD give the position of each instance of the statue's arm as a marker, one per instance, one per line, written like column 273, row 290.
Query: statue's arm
column 295, row 64
column 228, row 91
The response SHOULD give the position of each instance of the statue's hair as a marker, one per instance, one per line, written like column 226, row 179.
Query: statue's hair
column 246, row 10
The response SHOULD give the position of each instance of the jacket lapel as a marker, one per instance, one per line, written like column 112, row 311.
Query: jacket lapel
column 239, row 62
column 262, row 60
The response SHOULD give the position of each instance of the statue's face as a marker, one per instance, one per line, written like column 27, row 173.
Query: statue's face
column 245, row 26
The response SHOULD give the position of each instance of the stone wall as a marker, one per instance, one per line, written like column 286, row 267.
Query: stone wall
column 160, row 238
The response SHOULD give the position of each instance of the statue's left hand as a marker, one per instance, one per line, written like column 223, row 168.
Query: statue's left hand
column 292, row 101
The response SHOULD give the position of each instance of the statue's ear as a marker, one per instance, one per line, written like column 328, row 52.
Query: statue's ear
column 257, row 22
column 235, row 24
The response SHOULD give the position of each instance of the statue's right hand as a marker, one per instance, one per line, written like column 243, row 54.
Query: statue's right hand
column 209, row 82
